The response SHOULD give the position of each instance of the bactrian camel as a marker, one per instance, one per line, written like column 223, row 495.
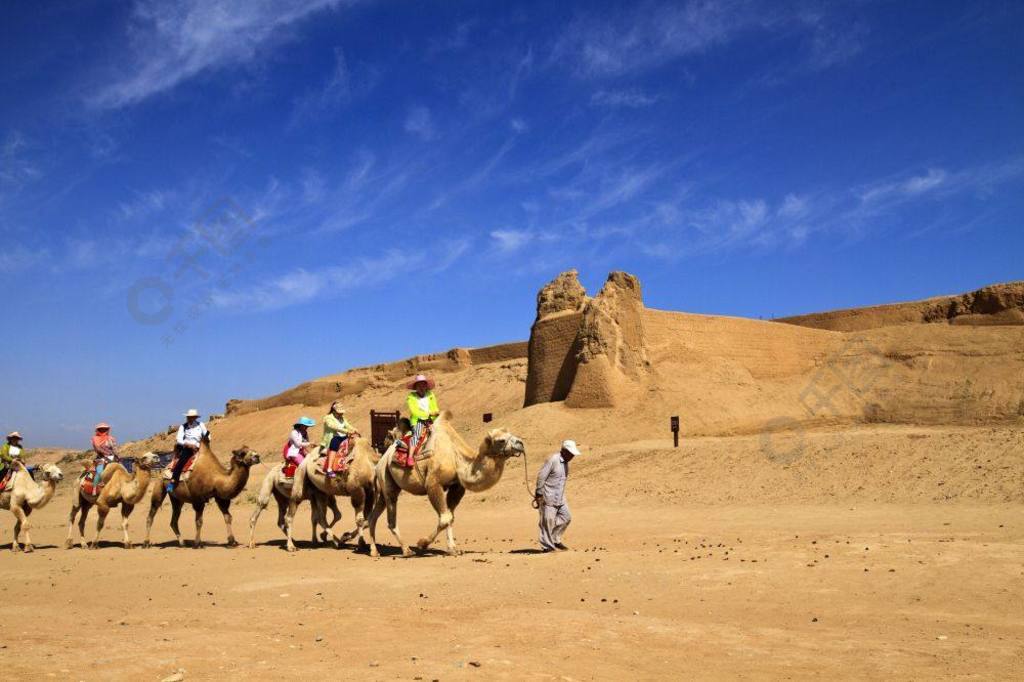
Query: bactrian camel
column 23, row 495
column 448, row 468
column 356, row 483
column 209, row 480
column 120, row 489
column 276, row 486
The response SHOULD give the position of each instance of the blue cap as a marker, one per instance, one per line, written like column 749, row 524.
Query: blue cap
column 306, row 421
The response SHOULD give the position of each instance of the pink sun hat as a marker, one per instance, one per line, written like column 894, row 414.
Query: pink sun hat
column 417, row 379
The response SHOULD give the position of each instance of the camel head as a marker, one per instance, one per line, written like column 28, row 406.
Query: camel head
column 150, row 460
column 245, row 457
column 51, row 472
column 501, row 443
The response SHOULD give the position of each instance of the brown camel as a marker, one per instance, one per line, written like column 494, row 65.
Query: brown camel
column 356, row 483
column 120, row 489
column 23, row 495
column 209, row 480
column 280, row 488
column 447, row 468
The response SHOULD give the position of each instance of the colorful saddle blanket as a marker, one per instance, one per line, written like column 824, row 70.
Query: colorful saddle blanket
column 406, row 453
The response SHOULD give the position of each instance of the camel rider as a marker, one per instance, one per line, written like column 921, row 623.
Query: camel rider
column 298, row 442
column 9, row 451
column 105, row 449
column 422, row 404
column 191, row 434
column 336, row 431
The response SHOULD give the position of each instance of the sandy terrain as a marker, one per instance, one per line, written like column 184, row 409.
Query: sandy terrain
column 711, row 585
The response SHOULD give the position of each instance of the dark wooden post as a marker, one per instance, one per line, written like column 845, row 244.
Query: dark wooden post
column 675, row 431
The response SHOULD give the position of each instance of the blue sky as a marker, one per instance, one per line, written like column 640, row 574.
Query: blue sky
column 202, row 200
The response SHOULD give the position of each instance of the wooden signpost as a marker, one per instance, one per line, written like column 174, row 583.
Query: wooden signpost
column 488, row 417
column 675, row 431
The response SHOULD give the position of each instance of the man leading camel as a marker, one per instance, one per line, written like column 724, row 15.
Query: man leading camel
column 550, row 497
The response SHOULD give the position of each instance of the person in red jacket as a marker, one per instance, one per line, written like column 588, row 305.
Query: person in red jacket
column 104, row 448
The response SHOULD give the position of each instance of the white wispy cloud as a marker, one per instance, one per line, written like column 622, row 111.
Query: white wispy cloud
column 16, row 168
column 511, row 240
column 303, row 286
column 174, row 41
column 18, row 258
column 677, row 229
column 630, row 99
column 335, row 92
column 420, row 123
column 143, row 204
column 651, row 34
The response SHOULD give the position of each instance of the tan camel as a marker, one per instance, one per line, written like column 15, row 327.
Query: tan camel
column 276, row 486
column 447, row 469
column 120, row 489
column 356, row 483
column 209, row 480
column 23, row 495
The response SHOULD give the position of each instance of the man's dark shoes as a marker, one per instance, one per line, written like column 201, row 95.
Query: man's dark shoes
column 560, row 546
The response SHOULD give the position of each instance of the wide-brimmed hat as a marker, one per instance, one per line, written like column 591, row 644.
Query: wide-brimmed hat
column 305, row 421
column 417, row 379
column 336, row 406
column 13, row 434
column 571, row 447
column 102, row 425
column 192, row 413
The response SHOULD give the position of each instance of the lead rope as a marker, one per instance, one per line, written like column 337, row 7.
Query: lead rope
column 526, row 482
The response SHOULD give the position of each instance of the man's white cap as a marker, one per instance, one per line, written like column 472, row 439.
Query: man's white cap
column 570, row 447
column 192, row 413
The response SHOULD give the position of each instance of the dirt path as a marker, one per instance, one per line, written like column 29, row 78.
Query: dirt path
column 881, row 591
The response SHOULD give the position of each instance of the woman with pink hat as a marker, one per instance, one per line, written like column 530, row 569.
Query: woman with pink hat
column 105, row 448
column 423, row 410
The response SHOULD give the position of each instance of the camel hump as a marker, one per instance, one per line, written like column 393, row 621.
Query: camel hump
column 445, row 415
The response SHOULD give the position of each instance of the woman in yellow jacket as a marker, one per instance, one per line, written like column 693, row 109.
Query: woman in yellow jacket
column 422, row 404
column 336, row 431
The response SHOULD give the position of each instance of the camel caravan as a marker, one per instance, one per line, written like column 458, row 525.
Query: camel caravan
column 423, row 455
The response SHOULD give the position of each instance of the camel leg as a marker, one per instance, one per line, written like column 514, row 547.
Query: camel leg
column 75, row 508
column 23, row 525
column 101, row 520
column 198, row 507
column 126, row 511
column 176, row 506
column 453, row 497
column 19, row 520
column 438, row 501
column 225, row 509
column 261, row 503
column 282, row 509
column 379, row 504
column 289, row 517
column 155, row 503
column 82, row 516
column 358, row 500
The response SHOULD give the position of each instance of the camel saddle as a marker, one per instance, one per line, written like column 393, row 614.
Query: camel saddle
column 404, row 458
column 86, row 482
column 5, row 480
column 185, row 473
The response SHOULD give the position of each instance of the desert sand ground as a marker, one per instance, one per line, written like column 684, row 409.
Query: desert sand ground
column 694, row 573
